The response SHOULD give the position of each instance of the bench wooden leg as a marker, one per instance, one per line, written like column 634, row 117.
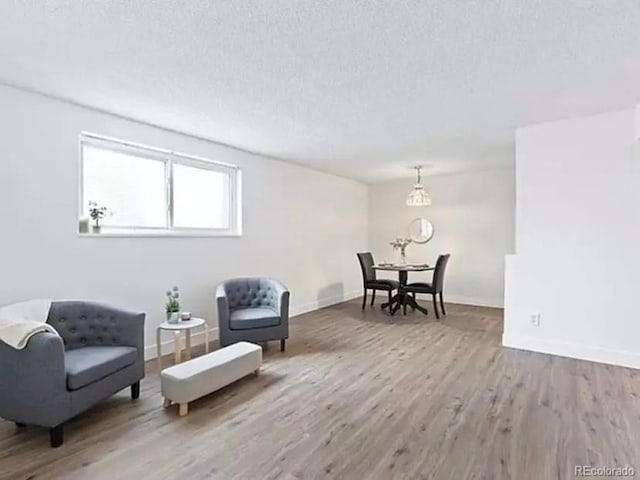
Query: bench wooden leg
column 166, row 403
column 184, row 409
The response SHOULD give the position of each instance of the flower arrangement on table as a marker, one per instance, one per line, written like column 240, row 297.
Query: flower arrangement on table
column 172, row 306
column 401, row 244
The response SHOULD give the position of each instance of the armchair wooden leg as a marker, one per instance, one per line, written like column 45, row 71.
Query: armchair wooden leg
column 282, row 345
column 135, row 391
column 183, row 409
column 56, row 436
column 373, row 297
column 364, row 299
column 435, row 306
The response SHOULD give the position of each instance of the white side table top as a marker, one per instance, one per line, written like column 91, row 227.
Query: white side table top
column 182, row 325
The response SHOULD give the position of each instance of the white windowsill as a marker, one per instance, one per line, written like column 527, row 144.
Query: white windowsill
column 168, row 234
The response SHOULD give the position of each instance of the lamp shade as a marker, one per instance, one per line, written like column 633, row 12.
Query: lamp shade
column 418, row 197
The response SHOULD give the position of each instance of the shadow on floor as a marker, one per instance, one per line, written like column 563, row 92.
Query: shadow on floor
column 232, row 396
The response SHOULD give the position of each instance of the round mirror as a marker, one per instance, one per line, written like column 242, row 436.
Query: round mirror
column 420, row 230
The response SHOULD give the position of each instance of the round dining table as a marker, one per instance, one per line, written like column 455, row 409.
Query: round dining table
column 402, row 298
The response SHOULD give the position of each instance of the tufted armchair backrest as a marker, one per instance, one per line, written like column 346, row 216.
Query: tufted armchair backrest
column 85, row 324
column 251, row 293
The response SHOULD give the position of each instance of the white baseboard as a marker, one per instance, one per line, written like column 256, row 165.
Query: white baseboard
column 478, row 302
column 573, row 350
column 324, row 302
column 197, row 338
column 462, row 300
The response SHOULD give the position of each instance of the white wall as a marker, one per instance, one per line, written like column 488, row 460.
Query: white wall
column 577, row 240
column 300, row 225
column 473, row 216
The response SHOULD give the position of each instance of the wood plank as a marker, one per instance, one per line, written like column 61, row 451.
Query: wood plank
column 361, row 395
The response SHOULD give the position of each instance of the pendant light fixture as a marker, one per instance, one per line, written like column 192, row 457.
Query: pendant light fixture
column 418, row 197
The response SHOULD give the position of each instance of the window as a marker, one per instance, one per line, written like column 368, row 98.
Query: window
column 149, row 191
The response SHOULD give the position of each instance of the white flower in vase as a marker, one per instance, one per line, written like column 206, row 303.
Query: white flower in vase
column 401, row 244
column 172, row 306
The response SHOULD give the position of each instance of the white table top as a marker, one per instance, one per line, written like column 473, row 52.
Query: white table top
column 182, row 325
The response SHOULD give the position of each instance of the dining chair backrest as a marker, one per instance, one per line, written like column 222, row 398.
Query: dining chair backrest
column 366, row 265
column 438, row 273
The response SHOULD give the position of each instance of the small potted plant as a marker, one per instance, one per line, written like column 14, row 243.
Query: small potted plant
column 97, row 213
column 401, row 244
column 172, row 306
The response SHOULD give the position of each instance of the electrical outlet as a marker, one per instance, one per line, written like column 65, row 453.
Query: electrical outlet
column 535, row 319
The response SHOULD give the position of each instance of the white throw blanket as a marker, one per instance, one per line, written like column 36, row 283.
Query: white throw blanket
column 21, row 321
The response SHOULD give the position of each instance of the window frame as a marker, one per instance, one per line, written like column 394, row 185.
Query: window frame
column 169, row 158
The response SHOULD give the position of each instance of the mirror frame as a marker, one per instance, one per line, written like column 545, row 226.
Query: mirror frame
column 412, row 237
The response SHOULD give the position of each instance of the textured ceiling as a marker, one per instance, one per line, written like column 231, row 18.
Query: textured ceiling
column 361, row 88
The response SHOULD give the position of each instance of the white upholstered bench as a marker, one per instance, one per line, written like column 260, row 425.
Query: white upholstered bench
column 196, row 378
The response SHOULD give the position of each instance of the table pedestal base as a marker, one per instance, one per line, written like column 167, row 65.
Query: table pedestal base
column 403, row 300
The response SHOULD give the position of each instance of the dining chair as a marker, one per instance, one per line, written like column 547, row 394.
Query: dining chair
column 370, row 281
column 435, row 288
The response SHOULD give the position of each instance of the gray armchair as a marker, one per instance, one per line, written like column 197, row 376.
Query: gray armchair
column 54, row 379
column 253, row 310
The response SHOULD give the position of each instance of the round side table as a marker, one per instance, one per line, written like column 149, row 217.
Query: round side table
column 177, row 329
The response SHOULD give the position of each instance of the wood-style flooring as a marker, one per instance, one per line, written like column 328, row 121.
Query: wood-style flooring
column 360, row 395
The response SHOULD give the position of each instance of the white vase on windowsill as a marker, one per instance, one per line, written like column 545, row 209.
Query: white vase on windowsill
column 96, row 229
column 83, row 225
